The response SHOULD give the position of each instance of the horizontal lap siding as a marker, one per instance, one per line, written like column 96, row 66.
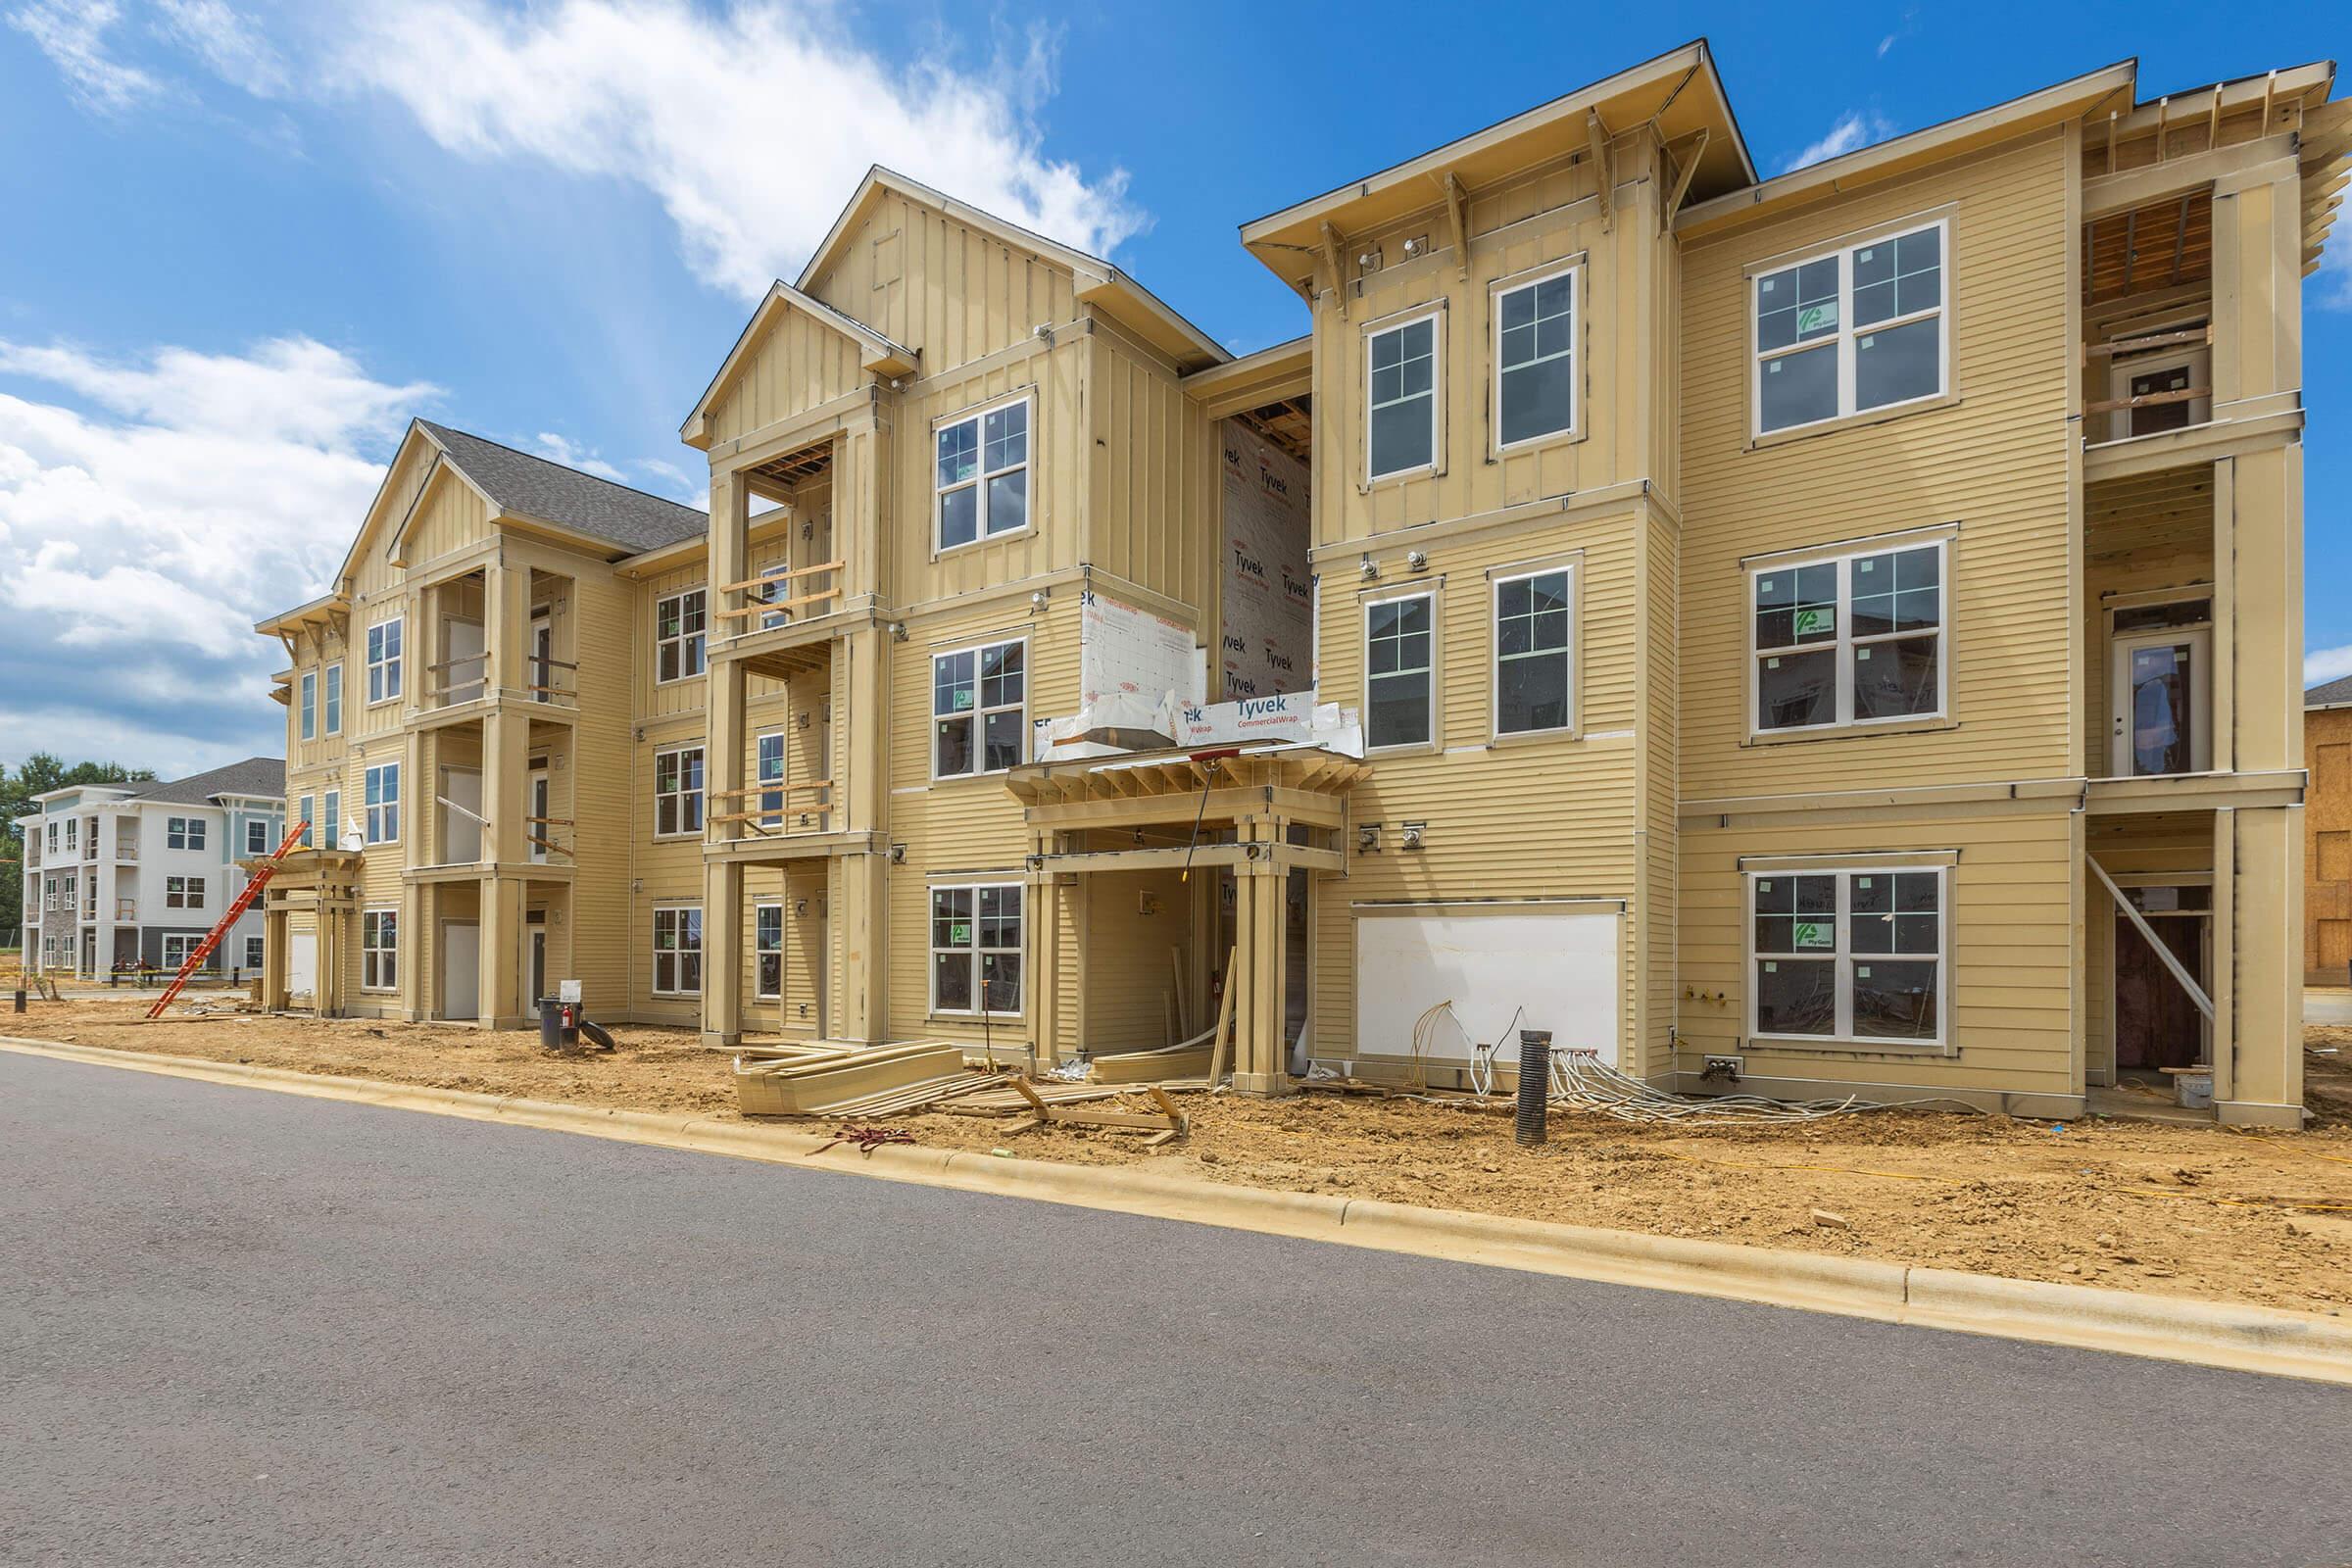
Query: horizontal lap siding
column 597, row 784
column 1997, row 464
column 1543, row 818
column 1059, row 456
column 663, row 870
column 965, row 825
column 2013, row 941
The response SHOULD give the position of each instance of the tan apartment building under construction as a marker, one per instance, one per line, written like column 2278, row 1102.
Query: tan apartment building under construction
column 1837, row 633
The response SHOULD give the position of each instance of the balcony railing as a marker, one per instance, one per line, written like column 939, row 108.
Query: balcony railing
column 775, row 811
column 126, row 850
column 781, row 597
column 2159, row 381
column 125, row 910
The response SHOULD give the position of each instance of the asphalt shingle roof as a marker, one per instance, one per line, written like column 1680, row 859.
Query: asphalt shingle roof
column 2331, row 690
column 264, row 776
column 537, row 488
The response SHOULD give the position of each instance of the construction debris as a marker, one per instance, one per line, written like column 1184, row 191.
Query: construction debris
column 1167, row 1125
column 828, row 1079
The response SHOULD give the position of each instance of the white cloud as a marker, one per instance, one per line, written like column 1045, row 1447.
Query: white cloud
column 143, row 531
column 2332, row 285
column 563, row 450
column 1856, row 127
column 232, row 44
column 1885, row 44
column 2325, row 664
column 73, row 34
column 750, row 126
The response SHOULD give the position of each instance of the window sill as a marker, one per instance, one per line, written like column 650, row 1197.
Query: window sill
column 1833, row 1046
column 1427, row 471
column 1852, row 421
column 1413, row 749
column 1010, row 1020
column 1534, row 737
column 1572, row 437
column 1847, row 732
column 939, row 551
column 966, row 778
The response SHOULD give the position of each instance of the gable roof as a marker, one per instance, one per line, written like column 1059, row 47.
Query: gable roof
column 1100, row 282
column 879, row 354
column 521, row 485
column 262, row 776
column 2329, row 693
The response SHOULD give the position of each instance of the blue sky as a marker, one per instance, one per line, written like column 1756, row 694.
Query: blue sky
column 244, row 241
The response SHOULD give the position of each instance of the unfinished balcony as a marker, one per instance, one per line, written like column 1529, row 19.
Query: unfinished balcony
column 2148, row 335
column 466, row 676
column 778, row 612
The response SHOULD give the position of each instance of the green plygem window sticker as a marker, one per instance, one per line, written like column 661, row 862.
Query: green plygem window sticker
column 1817, row 318
column 959, row 932
column 1813, row 621
column 1812, row 934
column 963, row 698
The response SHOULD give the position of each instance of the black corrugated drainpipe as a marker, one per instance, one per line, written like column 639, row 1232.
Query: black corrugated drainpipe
column 1535, row 1079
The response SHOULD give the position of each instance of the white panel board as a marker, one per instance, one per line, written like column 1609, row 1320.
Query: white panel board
column 1128, row 653
column 1552, row 970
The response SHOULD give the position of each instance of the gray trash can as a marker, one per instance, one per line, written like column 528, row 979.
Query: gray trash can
column 559, row 1024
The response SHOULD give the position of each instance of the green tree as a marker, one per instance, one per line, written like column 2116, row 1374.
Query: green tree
column 40, row 773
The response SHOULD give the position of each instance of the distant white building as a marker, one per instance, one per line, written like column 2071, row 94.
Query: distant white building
column 120, row 876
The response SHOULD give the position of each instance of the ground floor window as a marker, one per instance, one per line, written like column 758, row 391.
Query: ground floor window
column 767, row 950
column 255, row 952
column 1849, row 955
column 379, row 950
column 177, row 947
column 678, row 951
column 976, row 949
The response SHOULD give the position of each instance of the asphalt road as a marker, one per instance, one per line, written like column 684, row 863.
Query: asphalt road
column 239, row 1327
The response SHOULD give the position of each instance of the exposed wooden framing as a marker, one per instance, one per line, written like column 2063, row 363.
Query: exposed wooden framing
column 2160, row 340
column 2130, row 245
column 1222, row 1048
column 2147, row 933
column 1604, row 167
column 2148, row 400
column 1687, row 169
column 768, row 578
column 1332, row 253
column 770, row 607
column 1457, row 218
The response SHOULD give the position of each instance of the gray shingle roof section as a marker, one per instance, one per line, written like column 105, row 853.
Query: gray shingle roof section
column 534, row 488
column 264, row 776
column 2327, row 692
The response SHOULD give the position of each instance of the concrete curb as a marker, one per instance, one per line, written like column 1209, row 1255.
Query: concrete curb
column 2216, row 1334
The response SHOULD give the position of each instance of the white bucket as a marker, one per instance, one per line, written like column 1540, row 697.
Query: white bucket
column 2193, row 1091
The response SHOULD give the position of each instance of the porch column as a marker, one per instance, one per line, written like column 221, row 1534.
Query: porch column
column 1044, row 979
column 859, row 1002
column 722, row 879
column 415, row 904
column 500, row 1002
column 2266, row 900
column 1259, row 1064
column 274, row 953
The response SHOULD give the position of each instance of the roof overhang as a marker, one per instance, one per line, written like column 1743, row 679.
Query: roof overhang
column 671, row 557
column 2108, row 86
column 318, row 614
column 886, row 359
column 1678, row 92
column 1097, row 282
column 1283, row 370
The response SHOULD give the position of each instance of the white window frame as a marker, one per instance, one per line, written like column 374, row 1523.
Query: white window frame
column 257, row 836
column 183, row 893
column 769, row 816
column 379, row 960
column 384, row 660
column 184, row 833
column 178, row 945
column 331, row 699
column 1847, row 333
column 676, row 914
column 761, row 949
column 1843, row 958
column 979, row 712
column 1574, row 271
column 386, row 812
column 693, row 643
column 1437, row 666
column 305, row 812
column 681, row 794
column 309, row 694
column 983, row 474
column 1573, row 569
column 257, row 951
column 974, row 949
column 1843, row 557
column 330, row 809
column 1373, row 331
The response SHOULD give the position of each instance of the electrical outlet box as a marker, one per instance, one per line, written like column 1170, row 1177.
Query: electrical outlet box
column 1737, row 1066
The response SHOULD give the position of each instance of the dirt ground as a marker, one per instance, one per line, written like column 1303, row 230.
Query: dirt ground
column 2186, row 1210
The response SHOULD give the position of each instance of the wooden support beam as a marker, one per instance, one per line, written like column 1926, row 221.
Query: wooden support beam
column 1457, row 218
column 1333, row 259
column 1686, row 171
column 2181, row 225
column 765, row 578
column 2148, row 400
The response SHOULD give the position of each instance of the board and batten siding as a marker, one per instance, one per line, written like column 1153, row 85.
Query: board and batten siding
column 1995, row 462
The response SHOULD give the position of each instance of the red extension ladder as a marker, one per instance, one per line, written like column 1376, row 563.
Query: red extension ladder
column 237, row 907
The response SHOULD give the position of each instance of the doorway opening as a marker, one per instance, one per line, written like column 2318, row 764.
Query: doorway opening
column 2157, row 1024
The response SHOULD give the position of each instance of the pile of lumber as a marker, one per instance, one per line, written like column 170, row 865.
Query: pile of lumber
column 823, row 1079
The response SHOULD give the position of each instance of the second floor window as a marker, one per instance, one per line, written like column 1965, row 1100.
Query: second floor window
column 983, row 476
column 184, row 832
column 257, row 836
column 1534, row 660
column 1857, row 330
column 384, row 806
column 183, row 893
column 678, row 792
column 305, row 810
column 979, row 709
column 769, row 765
column 309, row 705
column 1402, row 404
column 1535, row 360
column 1849, row 640
column 383, row 660
column 334, row 699
column 1401, row 696
column 679, row 636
